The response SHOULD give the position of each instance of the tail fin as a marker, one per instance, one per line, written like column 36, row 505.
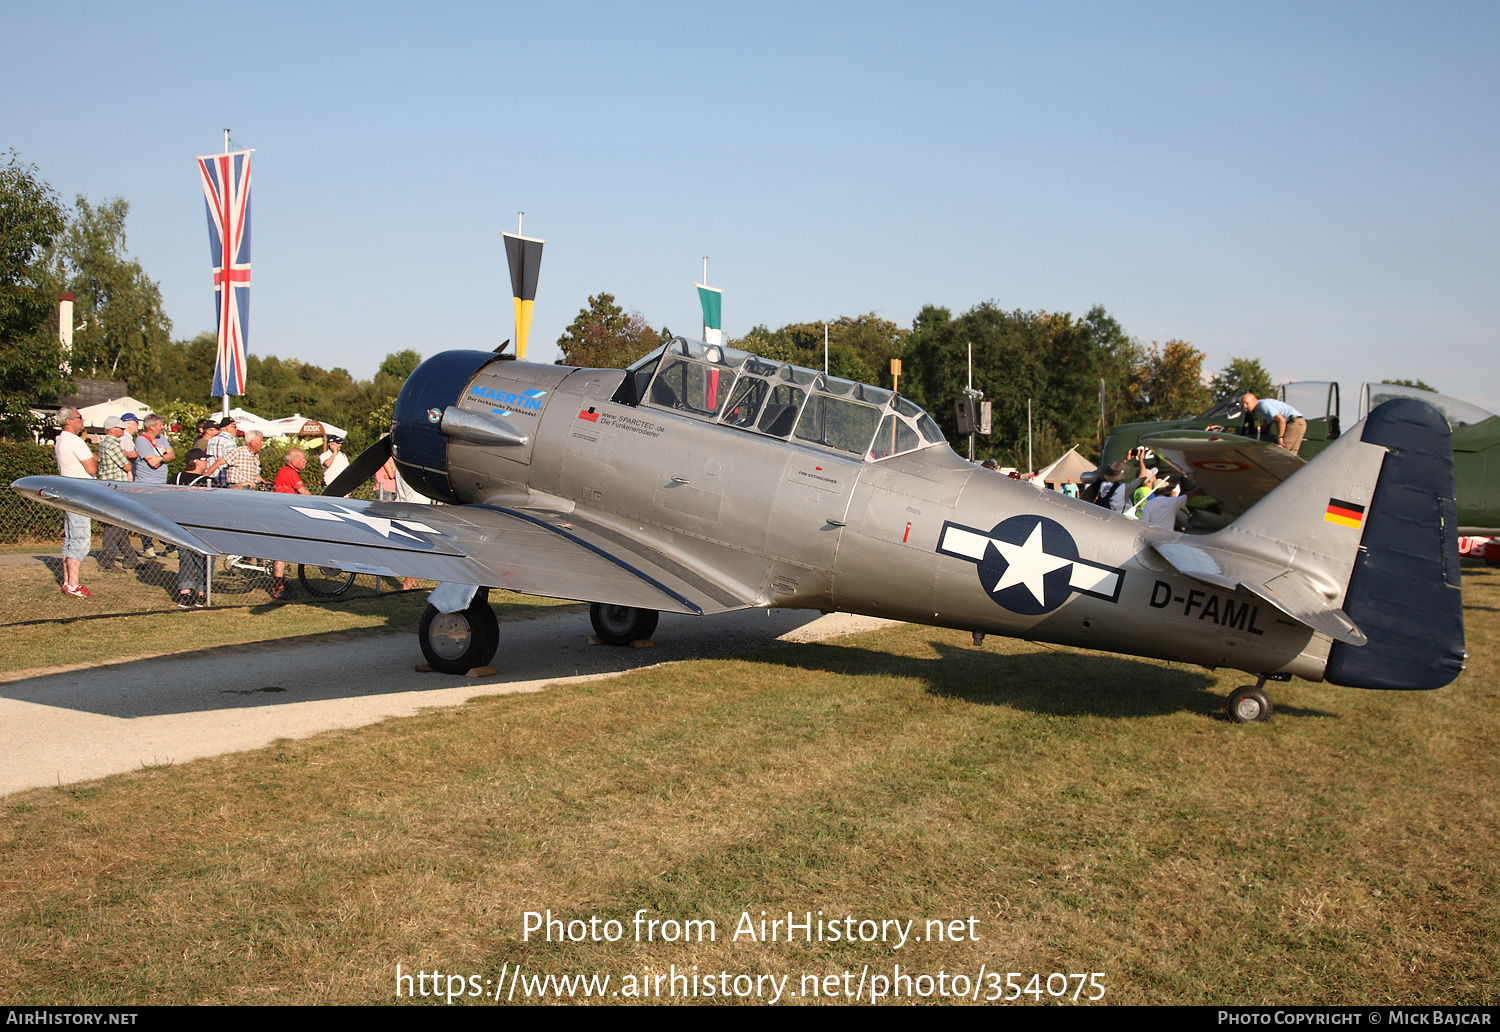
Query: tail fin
column 1360, row 544
column 1296, row 547
column 1405, row 587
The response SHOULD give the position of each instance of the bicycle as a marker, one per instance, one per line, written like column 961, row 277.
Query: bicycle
column 324, row 581
column 243, row 573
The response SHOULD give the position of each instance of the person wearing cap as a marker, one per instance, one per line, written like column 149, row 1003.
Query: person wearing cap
column 114, row 466
column 334, row 460
column 192, row 567
column 1122, row 494
column 220, row 444
column 74, row 459
column 1145, row 485
column 132, row 424
column 1290, row 424
column 153, row 453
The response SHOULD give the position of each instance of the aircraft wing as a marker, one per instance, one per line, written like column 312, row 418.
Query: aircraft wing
column 530, row 551
column 1238, row 471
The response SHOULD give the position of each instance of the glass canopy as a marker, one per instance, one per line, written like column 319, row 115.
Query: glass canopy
column 776, row 399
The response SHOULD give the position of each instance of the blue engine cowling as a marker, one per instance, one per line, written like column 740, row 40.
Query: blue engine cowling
column 419, row 446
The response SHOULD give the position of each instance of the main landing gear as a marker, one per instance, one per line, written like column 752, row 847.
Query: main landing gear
column 621, row 625
column 1250, row 704
column 455, row 643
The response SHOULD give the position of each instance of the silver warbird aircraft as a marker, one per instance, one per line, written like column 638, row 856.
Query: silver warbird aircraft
column 705, row 479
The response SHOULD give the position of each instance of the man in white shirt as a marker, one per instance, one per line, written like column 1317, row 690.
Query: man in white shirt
column 334, row 460
column 74, row 459
column 1161, row 508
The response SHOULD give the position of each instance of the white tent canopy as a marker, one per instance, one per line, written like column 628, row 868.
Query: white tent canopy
column 250, row 421
column 292, row 426
column 1070, row 466
column 95, row 415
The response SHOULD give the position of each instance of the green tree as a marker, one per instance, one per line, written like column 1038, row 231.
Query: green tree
column 1418, row 384
column 1240, row 375
column 603, row 336
column 400, row 365
column 1168, row 383
column 186, row 371
column 1117, row 354
column 1052, row 360
column 31, row 218
column 859, row 347
column 122, row 329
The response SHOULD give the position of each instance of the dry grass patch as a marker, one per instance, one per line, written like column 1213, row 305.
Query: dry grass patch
column 1093, row 813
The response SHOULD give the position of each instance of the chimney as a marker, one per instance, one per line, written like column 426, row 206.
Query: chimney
column 65, row 330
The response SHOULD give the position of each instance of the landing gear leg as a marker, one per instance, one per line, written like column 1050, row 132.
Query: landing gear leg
column 1250, row 704
column 455, row 643
column 621, row 625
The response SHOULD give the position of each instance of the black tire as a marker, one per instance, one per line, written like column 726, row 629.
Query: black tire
column 455, row 643
column 621, row 625
column 1249, row 705
column 324, row 581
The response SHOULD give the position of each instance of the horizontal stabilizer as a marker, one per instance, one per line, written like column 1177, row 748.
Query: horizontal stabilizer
column 1294, row 593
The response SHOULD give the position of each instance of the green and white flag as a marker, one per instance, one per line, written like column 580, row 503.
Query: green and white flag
column 712, row 299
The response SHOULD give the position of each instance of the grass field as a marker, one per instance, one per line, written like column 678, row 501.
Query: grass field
column 52, row 630
column 1089, row 813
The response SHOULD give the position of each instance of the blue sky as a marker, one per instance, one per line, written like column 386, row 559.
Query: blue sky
column 1313, row 185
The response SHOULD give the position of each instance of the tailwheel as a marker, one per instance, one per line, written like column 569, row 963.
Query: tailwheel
column 455, row 643
column 621, row 625
column 1248, row 704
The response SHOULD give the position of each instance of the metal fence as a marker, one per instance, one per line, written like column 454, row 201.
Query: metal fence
column 144, row 581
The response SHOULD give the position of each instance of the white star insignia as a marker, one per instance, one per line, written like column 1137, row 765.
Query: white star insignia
column 1027, row 564
column 381, row 525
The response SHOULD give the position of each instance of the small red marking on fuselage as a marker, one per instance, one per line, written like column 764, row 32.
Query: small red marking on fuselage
column 907, row 534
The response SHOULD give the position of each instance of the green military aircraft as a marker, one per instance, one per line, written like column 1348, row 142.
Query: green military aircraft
column 1221, row 451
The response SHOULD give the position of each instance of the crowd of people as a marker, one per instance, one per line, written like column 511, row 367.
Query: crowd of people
column 140, row 450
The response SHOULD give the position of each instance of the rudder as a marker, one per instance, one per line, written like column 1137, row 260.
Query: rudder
column 1405, row 589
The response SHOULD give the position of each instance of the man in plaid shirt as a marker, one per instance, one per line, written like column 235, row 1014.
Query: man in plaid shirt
column 114, row 465
column 243, row 463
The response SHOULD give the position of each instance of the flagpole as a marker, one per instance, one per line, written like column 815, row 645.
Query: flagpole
column 223, row 311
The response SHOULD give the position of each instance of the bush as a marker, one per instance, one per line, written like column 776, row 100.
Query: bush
column 20, row 518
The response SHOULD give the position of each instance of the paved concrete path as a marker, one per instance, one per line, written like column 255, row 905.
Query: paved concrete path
column 80, row 724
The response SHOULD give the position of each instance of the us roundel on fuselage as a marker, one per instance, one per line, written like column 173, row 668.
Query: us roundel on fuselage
column 1030, row 564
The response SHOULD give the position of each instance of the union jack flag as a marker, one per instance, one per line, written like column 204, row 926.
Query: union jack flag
column 226, row 191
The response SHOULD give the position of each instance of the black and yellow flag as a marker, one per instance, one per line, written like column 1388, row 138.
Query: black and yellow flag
column 525, row 257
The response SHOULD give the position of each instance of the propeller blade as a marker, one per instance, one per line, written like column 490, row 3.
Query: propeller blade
column 361, row 469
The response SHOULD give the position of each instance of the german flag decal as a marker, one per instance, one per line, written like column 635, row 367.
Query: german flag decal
column 1345, row 514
